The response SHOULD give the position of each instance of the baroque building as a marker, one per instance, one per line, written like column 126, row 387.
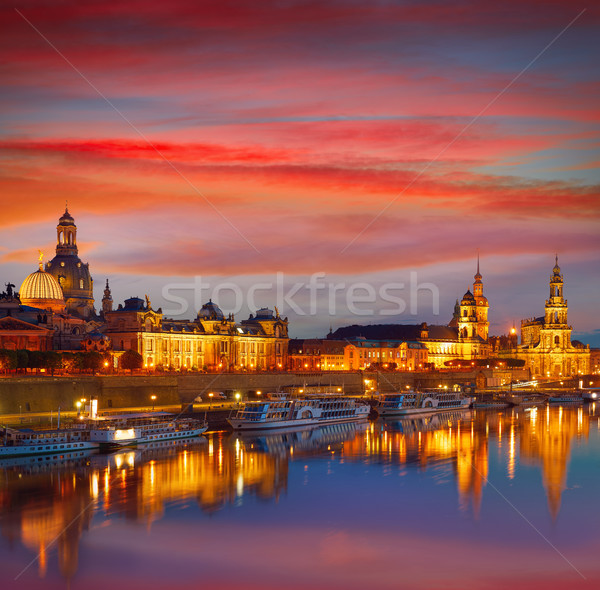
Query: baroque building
column 212, row 341
column 465, row 336
column 71, row 273
column 358, row 354
column 56, row 301
column 40, row 304
column 546, row 345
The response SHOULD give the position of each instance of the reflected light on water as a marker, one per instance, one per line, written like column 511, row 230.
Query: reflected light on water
column 48, row 507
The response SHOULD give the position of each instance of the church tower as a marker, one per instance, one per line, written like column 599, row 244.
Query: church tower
column 481, row 305
column 72, row 274
column 472, row 320
column 556, row 332
column 107, row 300
column 467, row 323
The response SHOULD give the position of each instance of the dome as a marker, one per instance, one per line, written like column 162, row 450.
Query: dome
column 135, row 304
column 210, row 311
column 76, row 282
column 66, row 219
column 468, row 298
column 41, row 289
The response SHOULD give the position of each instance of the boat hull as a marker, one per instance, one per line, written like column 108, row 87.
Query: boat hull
column 406, row 411
column 300, row 423
column 142, row 440
column 45, row 449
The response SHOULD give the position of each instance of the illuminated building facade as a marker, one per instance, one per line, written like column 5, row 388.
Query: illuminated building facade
column 546, row 345
column 16, row 334
column 36, row 317
column 353, row 355
column 465, row 337
column 211, row 342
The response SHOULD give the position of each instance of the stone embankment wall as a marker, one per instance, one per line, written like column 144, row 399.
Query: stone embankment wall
column 44, row 394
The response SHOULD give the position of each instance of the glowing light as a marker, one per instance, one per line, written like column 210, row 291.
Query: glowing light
column 95, row 484
column 128, row 434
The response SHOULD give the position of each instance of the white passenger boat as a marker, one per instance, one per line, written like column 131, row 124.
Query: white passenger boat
column 19, row 443
column 303, row 412
column 413, row 402
column 138, row 429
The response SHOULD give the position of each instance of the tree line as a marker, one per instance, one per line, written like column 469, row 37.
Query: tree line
column 20, row 361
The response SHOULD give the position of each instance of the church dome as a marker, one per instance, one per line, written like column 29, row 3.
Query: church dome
column 41, row 289
column 66, row 218
column 72, row 274
column 468, row 298
column 210, row 311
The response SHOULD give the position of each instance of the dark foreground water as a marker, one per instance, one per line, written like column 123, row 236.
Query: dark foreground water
column 481, row 499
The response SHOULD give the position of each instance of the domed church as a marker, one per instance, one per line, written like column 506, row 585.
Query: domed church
column 72, row 274
column 42, row 291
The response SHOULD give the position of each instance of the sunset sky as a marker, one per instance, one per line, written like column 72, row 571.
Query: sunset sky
column 236, row 140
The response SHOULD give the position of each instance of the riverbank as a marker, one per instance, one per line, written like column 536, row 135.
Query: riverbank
column 28, row 395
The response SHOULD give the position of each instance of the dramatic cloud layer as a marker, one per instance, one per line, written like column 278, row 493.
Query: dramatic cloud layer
column 364, row 140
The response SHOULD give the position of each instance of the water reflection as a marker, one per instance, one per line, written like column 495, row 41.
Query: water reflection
column 46, row 505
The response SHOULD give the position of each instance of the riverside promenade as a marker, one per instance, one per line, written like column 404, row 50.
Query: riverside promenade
column 25, row 396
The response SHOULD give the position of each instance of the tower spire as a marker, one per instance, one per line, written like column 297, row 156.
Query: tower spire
column 107, row 300
column 477, row 274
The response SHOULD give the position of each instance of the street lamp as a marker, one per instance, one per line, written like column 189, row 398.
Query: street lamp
column 210, row 397
column 153, row 398
column 237, row 398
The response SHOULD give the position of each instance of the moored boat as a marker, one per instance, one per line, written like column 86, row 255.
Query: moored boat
column 307, row 413
column 412, row 402
column 19, row 443
column 137, row 429
column 526, row 400
column 590, row 395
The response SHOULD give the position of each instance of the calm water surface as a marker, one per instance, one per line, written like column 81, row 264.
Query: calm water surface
column 481, row 499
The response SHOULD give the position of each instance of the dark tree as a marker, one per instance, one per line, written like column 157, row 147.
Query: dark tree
column 92, row 361
column 8, row 360
column 131, row 360
column 22, row 359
